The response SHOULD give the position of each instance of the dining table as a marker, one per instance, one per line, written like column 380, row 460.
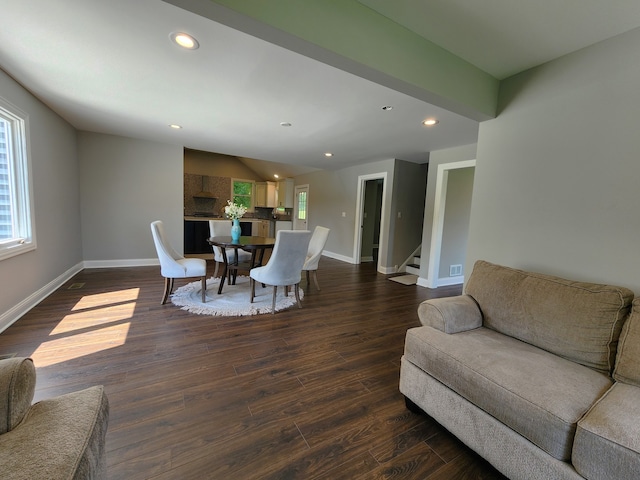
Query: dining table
column 256, row 245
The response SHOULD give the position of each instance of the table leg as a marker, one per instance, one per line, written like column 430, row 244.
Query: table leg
column 224, row 272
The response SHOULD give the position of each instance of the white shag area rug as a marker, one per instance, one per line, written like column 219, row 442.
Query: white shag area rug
column 233, row 301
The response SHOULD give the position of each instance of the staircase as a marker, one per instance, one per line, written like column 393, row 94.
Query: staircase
column 414, row 268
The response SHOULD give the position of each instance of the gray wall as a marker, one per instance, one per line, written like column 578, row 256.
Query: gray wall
column 334, row 192
column 455, row 231
column 409, row 190
column 125, row 185
column 556, row 185
column 54, row 169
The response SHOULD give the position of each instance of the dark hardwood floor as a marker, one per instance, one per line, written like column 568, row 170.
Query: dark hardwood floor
column 303, row 394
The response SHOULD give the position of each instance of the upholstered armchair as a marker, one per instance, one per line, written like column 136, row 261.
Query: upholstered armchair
column 220, row 228
column 60, row 437
column 284, row 267
column 173, row 265
column 316, row 245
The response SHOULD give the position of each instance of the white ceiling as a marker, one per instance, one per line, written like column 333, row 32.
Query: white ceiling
column 109, row 67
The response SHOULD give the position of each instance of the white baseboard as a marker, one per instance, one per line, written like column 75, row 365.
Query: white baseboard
column 139, row 262
column 337, row 256
column 446, row 281
column 387, row 270
column 442, row 282
column 11, row 316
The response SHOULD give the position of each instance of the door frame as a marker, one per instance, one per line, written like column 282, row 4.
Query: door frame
column 359, row 215
column 437, row 229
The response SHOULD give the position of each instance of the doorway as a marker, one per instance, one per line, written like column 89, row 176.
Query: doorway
column 301, row 208
column 372, row 213
column 435, row 251
column 371, row 237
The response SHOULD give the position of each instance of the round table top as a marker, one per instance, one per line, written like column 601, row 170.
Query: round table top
column 244, row 242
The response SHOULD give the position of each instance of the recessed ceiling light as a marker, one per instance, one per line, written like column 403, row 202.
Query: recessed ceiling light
column 430, row 122
column 275, row 175
column 285, row 124
column 328, row 154
column 386, row 108
column 185, row 40
column 176, row 127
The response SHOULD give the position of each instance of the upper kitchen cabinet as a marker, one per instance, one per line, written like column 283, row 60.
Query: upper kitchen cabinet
column 265, row 194
column 285, row 193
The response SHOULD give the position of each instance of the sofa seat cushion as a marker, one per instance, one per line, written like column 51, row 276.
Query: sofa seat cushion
column 607, row 443
column 539, row 395
column 60, row 438
column 579, row 321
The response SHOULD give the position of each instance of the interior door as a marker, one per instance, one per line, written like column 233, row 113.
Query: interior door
column 301, row 207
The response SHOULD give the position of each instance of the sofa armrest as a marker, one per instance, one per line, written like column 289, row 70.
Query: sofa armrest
column 451, row 314
column 17, row 386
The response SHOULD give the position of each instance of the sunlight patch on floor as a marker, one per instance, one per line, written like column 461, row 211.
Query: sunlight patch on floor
column 96, row 325
column 107, row 298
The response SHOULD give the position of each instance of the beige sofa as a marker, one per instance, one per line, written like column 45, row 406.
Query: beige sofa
column 538, row 374
column 61, row 438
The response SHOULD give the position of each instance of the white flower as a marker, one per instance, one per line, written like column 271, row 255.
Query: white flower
column 234, row 211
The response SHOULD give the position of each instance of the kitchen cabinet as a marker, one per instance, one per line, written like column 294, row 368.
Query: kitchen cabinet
column 265, row 194
column 196, row 233
column 263, row 228
column 285, row 193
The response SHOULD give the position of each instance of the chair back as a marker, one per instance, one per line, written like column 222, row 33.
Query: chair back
column 169, row 267
column 285, row 264
column 316, row 245
column 219, row 228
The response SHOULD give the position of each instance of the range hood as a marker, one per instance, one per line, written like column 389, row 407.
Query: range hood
column 203, row 193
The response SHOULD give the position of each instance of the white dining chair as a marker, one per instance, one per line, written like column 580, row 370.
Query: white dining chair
column 222, row 228
column 284, row 267
column 173, row 265
column 316, row 245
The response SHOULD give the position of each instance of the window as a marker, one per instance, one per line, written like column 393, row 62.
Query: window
column 16, row 224
column 243, row 193
column 302, row 205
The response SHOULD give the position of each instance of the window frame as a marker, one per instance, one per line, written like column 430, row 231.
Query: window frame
column 20, row 182
column 252, row 195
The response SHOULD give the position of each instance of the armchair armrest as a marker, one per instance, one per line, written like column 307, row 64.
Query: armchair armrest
column 451, row 314
column 17, row 386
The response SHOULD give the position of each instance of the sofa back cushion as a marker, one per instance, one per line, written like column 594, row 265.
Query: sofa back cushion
column 628, row 360
column 575, row 320
column 17, row 386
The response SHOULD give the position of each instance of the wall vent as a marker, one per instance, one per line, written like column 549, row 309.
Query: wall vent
column 455, row 270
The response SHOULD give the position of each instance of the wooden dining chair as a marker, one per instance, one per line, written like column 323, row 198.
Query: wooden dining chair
column 173, row 265
column 284, row 267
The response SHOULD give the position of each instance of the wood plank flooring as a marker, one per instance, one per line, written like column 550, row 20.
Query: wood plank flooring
column 307, row 393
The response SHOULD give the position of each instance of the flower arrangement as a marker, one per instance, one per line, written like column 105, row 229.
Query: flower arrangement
column 234, row 211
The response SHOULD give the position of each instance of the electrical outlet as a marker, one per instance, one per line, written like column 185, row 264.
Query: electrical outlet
column 344, row 214
column 455, row 270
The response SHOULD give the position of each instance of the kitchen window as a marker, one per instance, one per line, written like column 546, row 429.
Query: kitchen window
column 243, row 192
column 16, row 222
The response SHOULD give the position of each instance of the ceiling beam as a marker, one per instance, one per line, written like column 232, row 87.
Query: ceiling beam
column 354, row 38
